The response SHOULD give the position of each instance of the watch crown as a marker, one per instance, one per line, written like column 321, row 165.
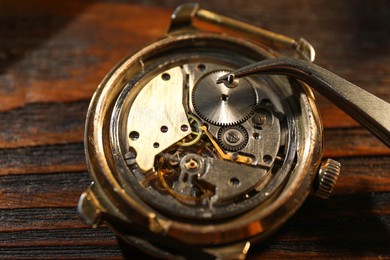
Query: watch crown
column 326, row 178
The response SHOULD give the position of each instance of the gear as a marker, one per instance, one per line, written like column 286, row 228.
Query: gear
column 196, row 133
column 233, row 138
column 221, row 105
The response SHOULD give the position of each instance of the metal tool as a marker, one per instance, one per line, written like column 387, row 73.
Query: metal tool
column 367, row 109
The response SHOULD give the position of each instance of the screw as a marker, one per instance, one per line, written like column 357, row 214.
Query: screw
column 231, row 81
column 259, row 119
column 233, row 137
column 234, row 156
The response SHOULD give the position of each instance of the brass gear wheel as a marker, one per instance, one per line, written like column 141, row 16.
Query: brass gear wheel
column 233, row 138
column 220, row 105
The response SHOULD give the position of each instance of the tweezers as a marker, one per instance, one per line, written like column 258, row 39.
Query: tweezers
column 366, row 108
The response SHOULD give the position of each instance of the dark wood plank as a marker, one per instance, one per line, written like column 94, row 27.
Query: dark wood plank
column 63, row 237
column 36, row 218
column 59, row 52
column 43, row 124
column 342, row 142
column 363, row 174
column 42, row 190
column 65, row 252
column 43, row 159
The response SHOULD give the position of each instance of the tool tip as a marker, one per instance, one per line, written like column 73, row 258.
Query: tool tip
column 223, row 78
column 229, row 80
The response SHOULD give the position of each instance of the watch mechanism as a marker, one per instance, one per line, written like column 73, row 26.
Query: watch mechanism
column 199, row 149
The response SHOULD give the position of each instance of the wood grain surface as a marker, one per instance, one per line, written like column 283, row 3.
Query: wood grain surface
column 53, row 54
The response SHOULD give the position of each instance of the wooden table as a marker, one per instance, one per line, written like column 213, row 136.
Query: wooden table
column 53, row 55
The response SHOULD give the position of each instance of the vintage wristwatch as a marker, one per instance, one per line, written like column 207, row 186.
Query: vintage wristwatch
column 189, row 159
